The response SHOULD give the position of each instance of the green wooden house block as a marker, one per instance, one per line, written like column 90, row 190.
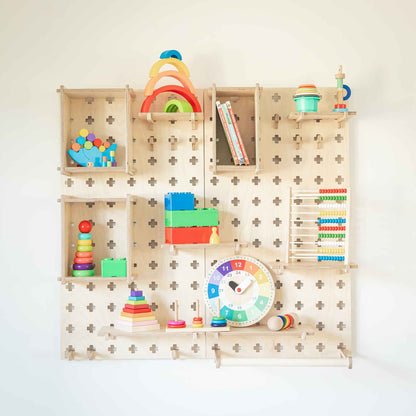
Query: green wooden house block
column 196, row 218
column 114, row 267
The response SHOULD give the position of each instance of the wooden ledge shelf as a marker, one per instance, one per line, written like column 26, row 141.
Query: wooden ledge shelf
column 151, row 118
column 70, row 171
column 262, row 330
column 339, row 117
column 342, row 268
column 174, row 248
column 72, row 279
column 233, row 168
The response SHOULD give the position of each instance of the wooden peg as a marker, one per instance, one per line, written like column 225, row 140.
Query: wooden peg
column 219, row 306
column 298, row 141
column 151, row 141
column 275, row 121
column 197, row 307
column 176, row 310
column 173, row 142
column 150, row 121
column 319, row 141
column 194, row 140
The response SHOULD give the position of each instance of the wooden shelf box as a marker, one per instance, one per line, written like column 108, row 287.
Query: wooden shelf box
column 112, row 232
column 106, row 113
column 246, row 107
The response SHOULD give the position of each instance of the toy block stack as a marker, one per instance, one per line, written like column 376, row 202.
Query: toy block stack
column 186, row 225
column 83, row 262
column 137, row 315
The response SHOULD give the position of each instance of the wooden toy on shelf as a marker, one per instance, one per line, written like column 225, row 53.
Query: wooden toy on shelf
column 136, row 315
column 214, row 239
column 177, row 323
column 218, row 320
column 282, row 322
column 114, row 267
column 83, row 262
column 197, row 321
column 340, row 106
column 187, row 90
column 319, row 220
column 307, row 98
column 186, row 225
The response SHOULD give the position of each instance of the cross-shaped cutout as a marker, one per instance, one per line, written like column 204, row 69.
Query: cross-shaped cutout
column 69, row 349
column 277, row 159
column 256, row 243
column 196, row 202
column 112, row 349
column 339, row 159
column 340, row 305
column 152, row 202
column 111, row 140
column 277, row 222
column 153, row 265
column 299, row 347
column 70, row 307
column 154, row 306
column 90, row 328
column 278, row 305
column 195, row 348
column 235, row 222
column 298, row 222
column 90, row 182
column 297, row 180
column 173, row 160
column 299, row 305
column 111, row 286
column 235, row 181
column 152, row 244
column 111, row 307
column 152, row 181
column 297, row 159
column 278, row 347
column 298, row 284
column 110, row 182
column 110, row 119
column 278, row 284
column 111, row 244
column 341, row 326
column 319, row 284
column 111, row 223
column 256, row 222
column 193, row 181
column 69, row 287
column 320, row 347
column 69, row 182
column 173, row 285
column 339, row 179
column 132, row 348
column 214, row 201
column 90, row 307
column 215, row 347
column 235, row 201
column 90, row 286
column 256, row 180
column 174, row 347
column 320, row 305
column 70, row 328
column 110, row 204
column 152, row 161
column 277, row 201
column 193, row 306
column 152, row 223
column 153, row 349
column 131, row 181
column 276, row 97
column 214, row 262
column 297, row 201
column 341, row 346
column 132, row 286
column 277, row 243
column 256, row 201
column 194, row 285
column 276, row 180
column 109, row 100
column 257, row 347
column 89, row 100
column 214, row 180
column 194, row 264
column 318, row 159
column 276, row 137
column 193, row 160
column 89, row 120
column 173, row 264
column 173, row 181
column 153, row 286
column 339, row 138
column 318, row 180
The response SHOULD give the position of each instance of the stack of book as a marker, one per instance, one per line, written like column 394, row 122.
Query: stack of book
column 232, row 133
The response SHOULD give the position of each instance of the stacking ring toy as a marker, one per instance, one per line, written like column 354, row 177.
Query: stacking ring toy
column 83, row 254
column 83, row 260
column 176, row 323
column 82, row 273
column 84, row 236
column 84, row 248
column 84, row 242
column 88, row 266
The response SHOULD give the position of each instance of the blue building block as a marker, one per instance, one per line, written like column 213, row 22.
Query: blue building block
column 176, row 201
column 171, row 53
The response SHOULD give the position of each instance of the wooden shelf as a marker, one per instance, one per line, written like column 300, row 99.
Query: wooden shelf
column 151, row 118
column 90, row 279
column 339, row 117
column 341, row 268
column 263, row 330
column 233, row 168
column 83, row 169
column 173, row 248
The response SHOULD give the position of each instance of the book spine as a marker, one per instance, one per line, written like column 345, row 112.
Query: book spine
column 233, row 135
column 227, row 133
column 237, row 132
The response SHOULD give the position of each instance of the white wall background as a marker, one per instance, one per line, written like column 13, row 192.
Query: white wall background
column 110, row 43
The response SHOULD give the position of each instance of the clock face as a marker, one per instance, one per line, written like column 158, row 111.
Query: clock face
column 245, row 289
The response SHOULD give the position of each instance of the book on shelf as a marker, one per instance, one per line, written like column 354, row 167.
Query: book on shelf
column 237, row 132
column 227, row 132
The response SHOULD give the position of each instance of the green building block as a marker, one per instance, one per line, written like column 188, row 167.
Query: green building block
column 196, row 218
column 114, row 267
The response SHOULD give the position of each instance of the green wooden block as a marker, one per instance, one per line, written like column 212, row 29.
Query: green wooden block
column 114, row 267
column 196, row 218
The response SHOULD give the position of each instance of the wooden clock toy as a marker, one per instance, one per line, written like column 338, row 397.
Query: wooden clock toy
column 244, row 287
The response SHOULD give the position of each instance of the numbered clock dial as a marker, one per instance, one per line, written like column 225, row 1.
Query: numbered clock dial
column 245, row 289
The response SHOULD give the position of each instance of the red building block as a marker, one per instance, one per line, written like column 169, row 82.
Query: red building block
column 188, row 235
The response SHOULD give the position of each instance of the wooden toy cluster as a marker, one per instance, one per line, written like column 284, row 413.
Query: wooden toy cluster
column 284, row 227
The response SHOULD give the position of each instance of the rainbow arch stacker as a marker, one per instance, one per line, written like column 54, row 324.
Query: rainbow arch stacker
column 186, row 91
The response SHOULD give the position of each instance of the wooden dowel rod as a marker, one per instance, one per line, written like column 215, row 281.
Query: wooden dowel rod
column 176, row 310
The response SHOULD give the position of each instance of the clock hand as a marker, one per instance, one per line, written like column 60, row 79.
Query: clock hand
column 242, row 286
column 232, row 285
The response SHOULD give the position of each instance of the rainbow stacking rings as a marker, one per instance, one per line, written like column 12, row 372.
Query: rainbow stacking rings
column 218, row 321
column 307, row 98
column 177, row 324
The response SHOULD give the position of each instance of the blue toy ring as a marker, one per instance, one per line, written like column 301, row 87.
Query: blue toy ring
column 348, row 89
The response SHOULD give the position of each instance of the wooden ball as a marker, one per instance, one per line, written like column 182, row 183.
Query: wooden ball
column 275, row 323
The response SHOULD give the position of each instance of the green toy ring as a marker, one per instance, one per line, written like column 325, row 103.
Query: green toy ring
column 181, row 106
column 84, row 248
column 83, row 273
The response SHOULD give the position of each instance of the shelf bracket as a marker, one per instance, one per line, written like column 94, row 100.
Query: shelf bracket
column 173, row 250
column 342, row 119
column 150, row 121
column 174, row 353
column 151, row 141
column 344, row 353
column 173, row 142
column 109, row 336
column 195, row 336
column 194, row 140
column 298, row 141
column 70, row 354
column 299, row 119
column 237, row 248
column 217, row 359
column 319, row 141
column 279, row 270
column 275, row 121
column 91, row 354
column 194, row 122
